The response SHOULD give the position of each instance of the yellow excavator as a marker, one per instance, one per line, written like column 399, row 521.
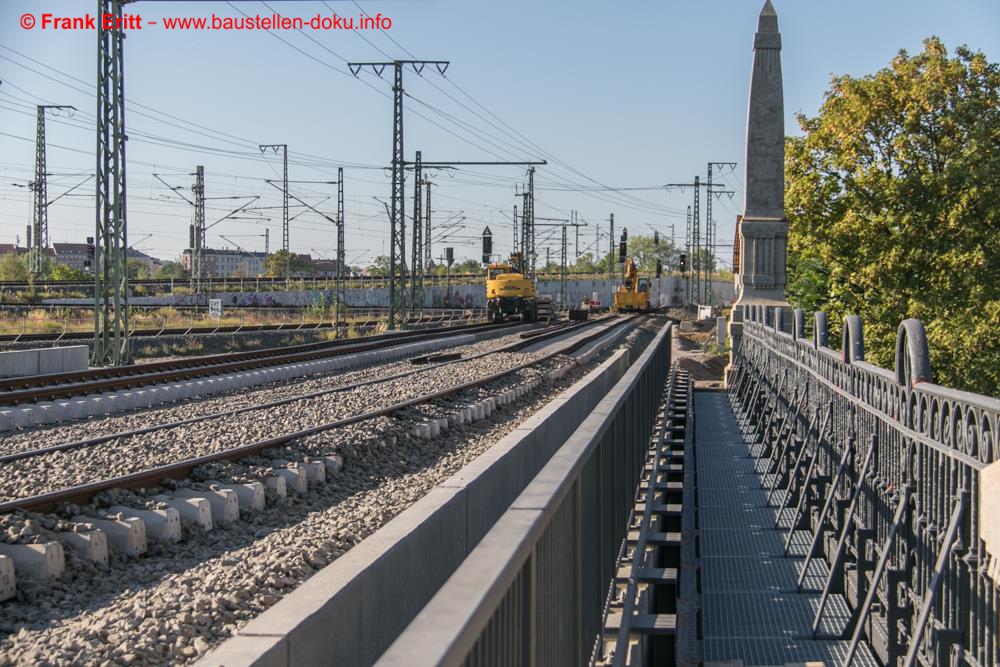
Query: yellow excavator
column 633, row 293
column 509, row 291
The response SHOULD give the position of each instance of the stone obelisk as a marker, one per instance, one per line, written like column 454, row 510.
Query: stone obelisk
column 763, row 231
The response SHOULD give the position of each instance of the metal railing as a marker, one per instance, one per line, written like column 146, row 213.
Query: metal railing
column 532, row 592
column 884, row 471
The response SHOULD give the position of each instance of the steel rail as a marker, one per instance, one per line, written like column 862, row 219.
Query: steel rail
column 528, row 338
column 35, row 380
column 229, row 328
column 112, row 378
column 82, row 493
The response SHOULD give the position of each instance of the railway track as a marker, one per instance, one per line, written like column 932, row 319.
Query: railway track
column 153, row 476
column 21, row 390
column 187, row 331
column 181, row 595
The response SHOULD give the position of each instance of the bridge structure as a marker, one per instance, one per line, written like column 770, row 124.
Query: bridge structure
column 819, row 509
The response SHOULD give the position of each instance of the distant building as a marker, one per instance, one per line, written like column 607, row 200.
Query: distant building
column 72, row 255
column 75, row 255
column 322, row 268
column 152, row 263
column 230, row 263
column 12, row 249
column 226, row 263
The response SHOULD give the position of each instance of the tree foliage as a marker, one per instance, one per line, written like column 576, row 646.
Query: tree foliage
column 68, row 273
column 640, row 247
column 173, row 270
column 137, row 269
column 13, row 267
column 277, row 261
column 380, row 266
column 893, row 199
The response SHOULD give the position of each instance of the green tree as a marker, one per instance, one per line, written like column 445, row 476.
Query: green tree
column 137, row 270
column 276, row 263
column 893, row 200
column 467, row 266
column 585, row 263
column 13, row 267
column 379, row 267
column 68, row 273
column 645, row 252
column 169, row 270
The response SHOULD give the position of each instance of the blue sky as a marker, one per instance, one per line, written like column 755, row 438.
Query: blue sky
column 621, row 94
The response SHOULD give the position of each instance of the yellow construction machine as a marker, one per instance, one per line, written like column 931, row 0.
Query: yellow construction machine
column 509, row 291
column 633, row 293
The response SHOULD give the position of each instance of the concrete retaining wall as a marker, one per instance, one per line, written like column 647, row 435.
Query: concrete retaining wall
column 43, row 361
column 351, row 611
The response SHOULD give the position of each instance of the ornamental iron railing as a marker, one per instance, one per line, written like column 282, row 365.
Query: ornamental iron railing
column 887, row 472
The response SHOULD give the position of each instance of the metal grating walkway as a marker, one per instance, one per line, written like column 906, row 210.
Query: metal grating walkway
column 750, row 609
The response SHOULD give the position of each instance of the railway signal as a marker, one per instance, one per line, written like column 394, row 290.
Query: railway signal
column 487, row 245
column 88, row 262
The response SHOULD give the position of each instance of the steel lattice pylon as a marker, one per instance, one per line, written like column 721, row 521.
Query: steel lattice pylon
column 341, row 251
column 417, row 257
column 427, row 225
column 562, row 270
column 695, row 258
column 284, row 202
column 710, row 226
column 397, row 233
column 611, row 251
column 40, row 211
column 687, row 270
column 530, row 222
column 111, row 316
column 40, row 188
column 198, row 230
column 397, row 221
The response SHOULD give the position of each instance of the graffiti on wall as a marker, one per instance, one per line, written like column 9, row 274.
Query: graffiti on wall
column 252, row 300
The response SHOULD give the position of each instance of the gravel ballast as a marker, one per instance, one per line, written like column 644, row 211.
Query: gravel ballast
column 174, row 603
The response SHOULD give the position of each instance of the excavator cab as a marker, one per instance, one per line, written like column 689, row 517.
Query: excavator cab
column 633, row 293
column 509, row 291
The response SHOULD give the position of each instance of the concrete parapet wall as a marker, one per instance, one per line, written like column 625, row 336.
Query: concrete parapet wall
column 352, row 610
column 44, row 361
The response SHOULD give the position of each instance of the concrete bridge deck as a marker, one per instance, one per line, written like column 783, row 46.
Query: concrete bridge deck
column 751, row 610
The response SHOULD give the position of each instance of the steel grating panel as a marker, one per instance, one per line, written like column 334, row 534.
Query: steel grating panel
column 716, row 516
column 760, row 574
column 741, row 543
column 727, row 495
column 750, row 607
column 756, row 651
column 727, row 465
column 770, row 614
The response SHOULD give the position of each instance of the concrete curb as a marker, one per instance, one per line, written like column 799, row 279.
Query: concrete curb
column 44, row 360
column 111, row 403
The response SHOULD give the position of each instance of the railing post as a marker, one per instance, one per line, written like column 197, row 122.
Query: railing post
column 883, row 560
